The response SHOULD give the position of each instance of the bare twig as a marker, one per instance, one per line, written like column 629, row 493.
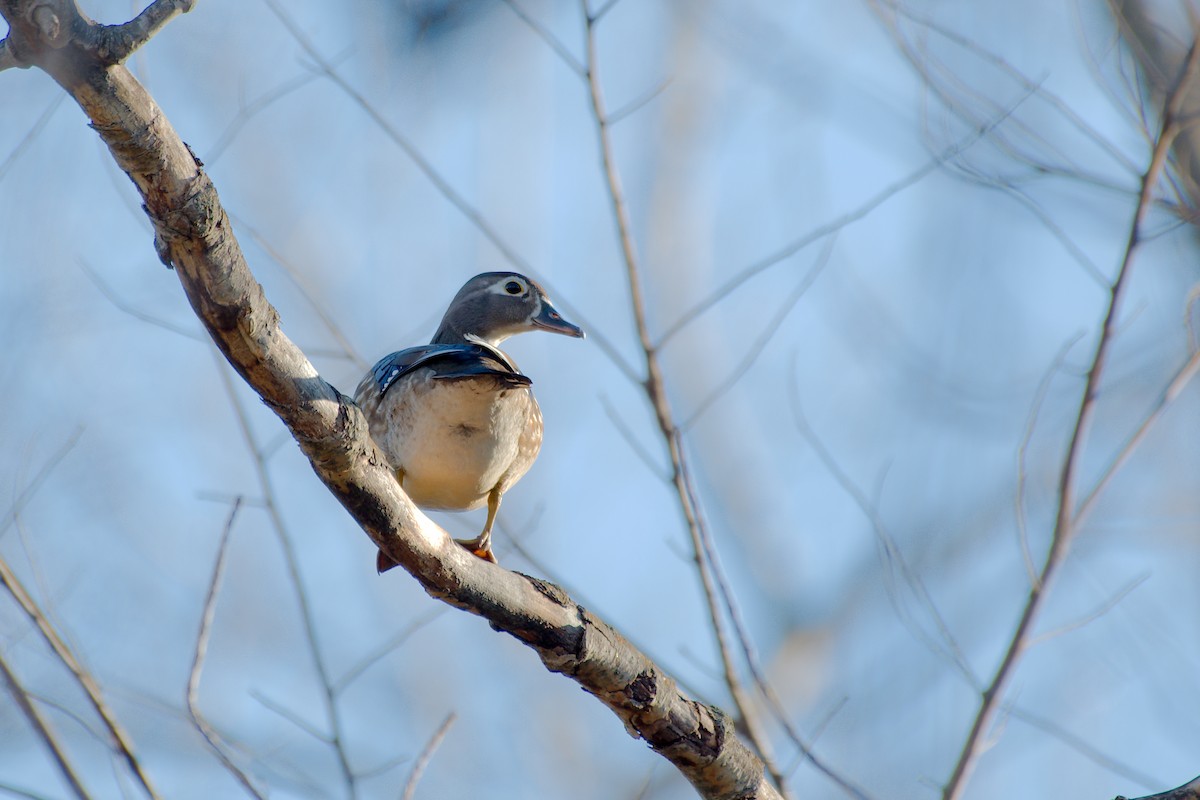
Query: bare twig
column 637, row 103
column 390, row 646
column 1091, row 616
column 768, row 332
column 31, row 489
column 1066, row 519
column 656, row 394
column 945, row 646
column 1047, row 96
column 247, row 111
column 112, row 297
column 192, row 696
column 1181, row 379
column 446, row 190
column 115, row 43
column 632, row 440
column 820, row 232
column 31, row 134
column 414, row 777
column 301, row 284
column 17, row 791
column 120, row 739
column 1077, row 743
column 716, row 589
column 291, row 563
column 291, row 716
column 549, row 38
column 1035, row 409
column 42, row 727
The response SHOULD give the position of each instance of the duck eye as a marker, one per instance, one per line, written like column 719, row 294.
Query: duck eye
column 512, row 287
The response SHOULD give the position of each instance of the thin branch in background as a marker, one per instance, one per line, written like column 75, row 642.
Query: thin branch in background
column 751, row 655
column 290, row 716
column 716, row 588
column 37, row 127
column 120, row 740
column 957, row 96
column 1041, row 92
column 356, row 671
column 634, row 443
column 1092, row 616
column 638, row 103
column 549, row 38
column 833, row 226
column 42, row 727
column 292, row 565
column 945, row 645
column 657, row 396
column 1035, row 410
column 294, row 276
column 602, row 11
column 768, row 332
column 112, row 297
column 1079, row 745
column 644, row 790
column 446, row 190
column 410, row 787
column 1073, row 250
column 1181, row 379
column 17, row 791
column 1067, row 519
column 247, row 111
column 26, row 494
column 192, row 696
column 382, row 768
column 818, row 729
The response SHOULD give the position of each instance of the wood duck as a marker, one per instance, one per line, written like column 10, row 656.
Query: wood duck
column 456, row 419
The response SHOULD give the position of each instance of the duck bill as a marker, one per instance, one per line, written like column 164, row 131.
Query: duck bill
column 550, row 320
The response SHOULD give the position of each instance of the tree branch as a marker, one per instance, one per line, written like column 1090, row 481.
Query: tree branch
column 115, row 43
column 23, row 700
column 41, row 28
column 193, row 233
column 1068, row 516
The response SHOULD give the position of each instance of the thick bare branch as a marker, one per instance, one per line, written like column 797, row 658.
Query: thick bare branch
column 38, row 29
column 194, row 235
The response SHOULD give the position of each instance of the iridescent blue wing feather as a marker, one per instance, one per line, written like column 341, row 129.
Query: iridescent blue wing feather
column 448, row 362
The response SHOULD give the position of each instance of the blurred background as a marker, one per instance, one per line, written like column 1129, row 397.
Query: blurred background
column 877, row 240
